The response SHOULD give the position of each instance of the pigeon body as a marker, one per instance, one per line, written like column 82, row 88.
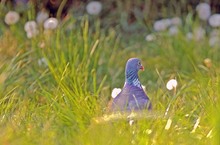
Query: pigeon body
column 132, row 96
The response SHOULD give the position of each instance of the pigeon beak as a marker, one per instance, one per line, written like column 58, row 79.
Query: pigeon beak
column 142, row 68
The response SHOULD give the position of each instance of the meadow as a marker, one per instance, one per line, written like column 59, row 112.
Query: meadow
column 55, row 87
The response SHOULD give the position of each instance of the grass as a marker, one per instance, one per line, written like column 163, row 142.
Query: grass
column 63, row 99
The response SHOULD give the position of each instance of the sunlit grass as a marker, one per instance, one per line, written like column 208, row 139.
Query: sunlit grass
column 63, row 100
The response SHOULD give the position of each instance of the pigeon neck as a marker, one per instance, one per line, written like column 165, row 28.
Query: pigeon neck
column 132, row 78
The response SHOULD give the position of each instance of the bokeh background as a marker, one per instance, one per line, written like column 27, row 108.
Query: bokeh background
column 61, row 59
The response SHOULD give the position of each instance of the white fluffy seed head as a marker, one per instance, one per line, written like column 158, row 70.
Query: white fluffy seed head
column 176, row 21
column 150, row 37
column 12, row 17
column 214, row 20
column 31, row 29
column 162, row 25
column 94, row 7
column 51, row 24
column 203, row 11
column 171, row 84
column 115, row 92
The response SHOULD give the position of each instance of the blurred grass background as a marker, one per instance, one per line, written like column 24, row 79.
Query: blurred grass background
column 54, row 87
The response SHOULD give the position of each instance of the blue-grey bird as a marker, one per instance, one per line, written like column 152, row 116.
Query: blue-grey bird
column 132, row 96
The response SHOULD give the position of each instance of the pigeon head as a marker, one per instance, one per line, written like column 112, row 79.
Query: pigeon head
column 134, row 64
column 131, row 71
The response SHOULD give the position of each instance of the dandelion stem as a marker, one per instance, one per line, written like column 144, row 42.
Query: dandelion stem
column 60, row 9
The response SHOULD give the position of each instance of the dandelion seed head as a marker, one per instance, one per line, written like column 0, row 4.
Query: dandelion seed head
column 31, row 29
column 162, row 25
column 150, row 37
column 176, row 21
column 50, row 24
column 214, row 20
column 94, row 7
column 12, row 17
column 30, row 26
column 203, row 11
column 115, row 92
column 171, row 84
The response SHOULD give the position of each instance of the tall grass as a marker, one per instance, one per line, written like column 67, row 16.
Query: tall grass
column 62, row 98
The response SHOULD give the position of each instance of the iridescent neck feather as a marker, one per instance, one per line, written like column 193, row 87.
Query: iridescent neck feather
column 131, row 78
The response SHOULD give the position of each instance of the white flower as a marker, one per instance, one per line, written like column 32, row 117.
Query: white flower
column 41, row 17
column 115, row 92
column 11, row 17
column 203, row 10
column 150, row 37
column 173, row 30
column 176, row 21
column 162, row 24
column 171, row 84
column 214, row 20
column 94, row 7
column 51, row 24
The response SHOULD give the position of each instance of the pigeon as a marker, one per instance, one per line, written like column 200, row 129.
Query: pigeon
column 132, row 96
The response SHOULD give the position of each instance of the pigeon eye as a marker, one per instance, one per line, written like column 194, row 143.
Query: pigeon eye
column 139, row 63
